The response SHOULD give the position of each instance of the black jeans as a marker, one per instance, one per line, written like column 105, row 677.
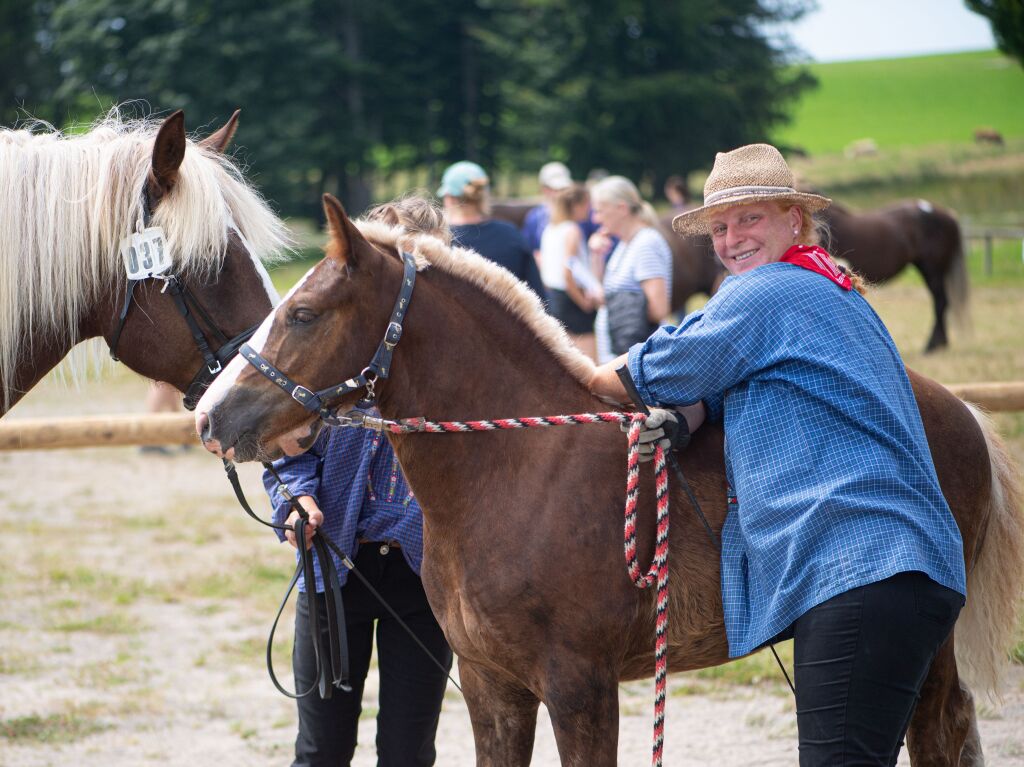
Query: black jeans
column 411, row 687
column 860, row 660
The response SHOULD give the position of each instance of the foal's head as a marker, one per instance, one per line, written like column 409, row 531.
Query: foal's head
column 326, row 330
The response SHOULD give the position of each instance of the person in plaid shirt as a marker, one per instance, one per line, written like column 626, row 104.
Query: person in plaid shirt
column 350, row 483
column 838, row 534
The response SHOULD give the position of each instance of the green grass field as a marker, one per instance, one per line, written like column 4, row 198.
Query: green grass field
column 908, row 102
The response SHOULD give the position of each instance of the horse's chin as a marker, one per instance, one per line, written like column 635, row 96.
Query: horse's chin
column 295, row 441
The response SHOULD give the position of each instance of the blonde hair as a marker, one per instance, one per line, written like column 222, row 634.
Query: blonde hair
column 814, row 231
column 566, row 200
column 621, row 189
column 416, row 213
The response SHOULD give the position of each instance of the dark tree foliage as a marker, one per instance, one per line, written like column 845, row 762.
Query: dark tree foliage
column 1007, row 20
column 27, row 73
column 338, row 93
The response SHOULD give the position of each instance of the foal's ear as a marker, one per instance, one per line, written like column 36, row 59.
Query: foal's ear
column 218, row 140
column 168, row 153
column 345, row 238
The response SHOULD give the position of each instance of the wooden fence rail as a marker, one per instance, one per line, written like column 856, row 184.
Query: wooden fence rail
column 178, row 428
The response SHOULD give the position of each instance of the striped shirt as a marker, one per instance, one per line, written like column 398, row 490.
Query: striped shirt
column 354, row 477
column 646, row 256
column 825, row 450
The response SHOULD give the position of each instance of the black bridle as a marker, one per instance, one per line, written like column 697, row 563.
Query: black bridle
column 188, row 306
column 319, row 402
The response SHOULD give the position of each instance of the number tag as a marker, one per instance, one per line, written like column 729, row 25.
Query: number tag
column 145, row 254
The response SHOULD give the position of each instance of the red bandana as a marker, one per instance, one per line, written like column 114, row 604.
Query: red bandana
column 817, row 260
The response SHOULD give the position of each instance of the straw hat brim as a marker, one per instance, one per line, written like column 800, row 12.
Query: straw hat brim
column 694, row 222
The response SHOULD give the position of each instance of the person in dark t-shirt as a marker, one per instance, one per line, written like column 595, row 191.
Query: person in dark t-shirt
column 465, row 190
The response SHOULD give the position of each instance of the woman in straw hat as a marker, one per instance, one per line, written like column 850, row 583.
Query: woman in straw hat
column 838, row 535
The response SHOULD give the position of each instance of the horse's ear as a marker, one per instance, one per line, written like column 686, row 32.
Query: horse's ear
column 218, row 141
column 168, row 153
column 344, row 235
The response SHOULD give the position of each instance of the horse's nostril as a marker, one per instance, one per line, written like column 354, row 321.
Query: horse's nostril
column 203, row 426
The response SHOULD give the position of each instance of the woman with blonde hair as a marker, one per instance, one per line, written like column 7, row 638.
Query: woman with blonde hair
column 638, row 275
column 572, row 290
column 838, row 535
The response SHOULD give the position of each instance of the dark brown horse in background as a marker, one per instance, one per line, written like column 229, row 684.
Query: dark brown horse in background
column 523, row 549
column 882, row 243
column 66, row 255
column 695, row 268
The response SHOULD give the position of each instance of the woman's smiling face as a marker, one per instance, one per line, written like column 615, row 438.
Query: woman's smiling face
column 748, row 236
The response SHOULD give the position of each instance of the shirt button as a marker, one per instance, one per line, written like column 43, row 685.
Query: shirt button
column 384, row 549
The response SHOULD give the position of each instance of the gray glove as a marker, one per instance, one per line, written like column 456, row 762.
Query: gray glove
column 662, row 427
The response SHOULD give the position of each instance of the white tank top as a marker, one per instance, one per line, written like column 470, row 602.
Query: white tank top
column 552, row 253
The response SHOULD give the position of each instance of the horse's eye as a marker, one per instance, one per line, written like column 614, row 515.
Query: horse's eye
column 301, row 316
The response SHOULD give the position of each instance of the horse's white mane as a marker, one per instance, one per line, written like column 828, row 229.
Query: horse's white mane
column 493, row 279
column 66, row 201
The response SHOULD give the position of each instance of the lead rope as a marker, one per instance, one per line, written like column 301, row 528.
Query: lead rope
column 658, row 572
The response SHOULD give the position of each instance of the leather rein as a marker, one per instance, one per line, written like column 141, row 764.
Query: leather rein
column 188, row 307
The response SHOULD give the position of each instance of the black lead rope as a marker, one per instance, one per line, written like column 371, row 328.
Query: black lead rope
column 633, row 392
column 336, row 655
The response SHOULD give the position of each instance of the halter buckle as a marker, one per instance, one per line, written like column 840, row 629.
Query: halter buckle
column 215, row 370
column 394, row 332
column 302, row 395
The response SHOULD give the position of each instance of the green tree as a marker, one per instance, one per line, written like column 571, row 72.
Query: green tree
column 27, row 73
column 1007, row 20
column 642, row 87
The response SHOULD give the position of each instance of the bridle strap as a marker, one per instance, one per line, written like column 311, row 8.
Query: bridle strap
column 204, row 377
column 318, row 402
column 187, row 306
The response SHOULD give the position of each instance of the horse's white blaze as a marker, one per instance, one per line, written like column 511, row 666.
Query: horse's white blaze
column 261, row 270
column 227, row 378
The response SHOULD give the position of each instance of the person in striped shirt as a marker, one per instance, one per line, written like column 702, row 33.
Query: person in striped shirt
column 838, row 534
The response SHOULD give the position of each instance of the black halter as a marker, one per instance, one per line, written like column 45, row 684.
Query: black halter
column 379, row 367
column 187, row 306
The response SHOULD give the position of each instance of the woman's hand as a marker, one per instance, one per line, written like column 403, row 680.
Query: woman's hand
column 316, row 518
column 600, row 242
column 605, row 381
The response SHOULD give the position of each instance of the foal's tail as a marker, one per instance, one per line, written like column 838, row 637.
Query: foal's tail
column 995, row 585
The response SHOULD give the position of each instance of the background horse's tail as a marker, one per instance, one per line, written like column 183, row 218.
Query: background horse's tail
column 986, row 627
column 956, row 279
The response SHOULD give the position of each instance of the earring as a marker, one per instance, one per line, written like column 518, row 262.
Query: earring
column 796, row 231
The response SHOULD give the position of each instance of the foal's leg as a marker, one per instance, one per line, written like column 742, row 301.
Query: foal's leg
column 584, row 707
column 504, row 717
column 944, row 731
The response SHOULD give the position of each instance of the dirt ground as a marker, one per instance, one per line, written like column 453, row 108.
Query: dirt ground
column 136, row 599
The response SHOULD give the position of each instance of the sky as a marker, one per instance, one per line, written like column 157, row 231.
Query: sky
column 844, row 30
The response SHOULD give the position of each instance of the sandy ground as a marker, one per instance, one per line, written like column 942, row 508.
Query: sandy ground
column 137, row 598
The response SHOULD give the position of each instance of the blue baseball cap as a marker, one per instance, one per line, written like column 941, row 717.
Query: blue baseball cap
column 458, row 176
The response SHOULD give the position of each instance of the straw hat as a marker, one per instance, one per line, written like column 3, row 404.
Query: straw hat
column 752, row 173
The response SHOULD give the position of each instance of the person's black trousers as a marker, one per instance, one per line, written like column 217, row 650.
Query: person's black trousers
column 860, row 661
column 411, row 687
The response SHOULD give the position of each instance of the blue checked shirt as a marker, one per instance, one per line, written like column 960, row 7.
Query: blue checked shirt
column 355, row 478
column 825, row 450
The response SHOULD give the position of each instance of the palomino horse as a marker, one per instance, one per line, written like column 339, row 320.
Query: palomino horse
column 880, row 244
column 523, row 538
column 66, row 202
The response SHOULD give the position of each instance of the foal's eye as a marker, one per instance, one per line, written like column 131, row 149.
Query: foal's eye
column 301, row 316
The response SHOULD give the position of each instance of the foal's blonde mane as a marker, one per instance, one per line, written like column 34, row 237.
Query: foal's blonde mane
column 66, row 201
column 492, row 279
